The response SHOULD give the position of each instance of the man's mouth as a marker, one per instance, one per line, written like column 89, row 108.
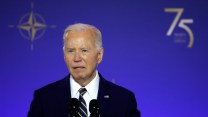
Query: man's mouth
column 79, row 67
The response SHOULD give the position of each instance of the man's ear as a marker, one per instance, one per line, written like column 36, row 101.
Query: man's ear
column 100, row 55
column 64, row 53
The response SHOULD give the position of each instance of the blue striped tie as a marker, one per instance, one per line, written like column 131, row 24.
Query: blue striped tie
column 82, row 104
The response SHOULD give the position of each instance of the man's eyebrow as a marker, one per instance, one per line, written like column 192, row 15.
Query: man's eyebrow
column 85, row 48
column 70, row 48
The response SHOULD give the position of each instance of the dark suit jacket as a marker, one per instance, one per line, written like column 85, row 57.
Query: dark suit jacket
column 53, row 100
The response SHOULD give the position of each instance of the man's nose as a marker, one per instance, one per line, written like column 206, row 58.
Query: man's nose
column 77, row 57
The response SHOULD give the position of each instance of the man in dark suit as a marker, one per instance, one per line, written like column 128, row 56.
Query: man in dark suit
column 83, row 51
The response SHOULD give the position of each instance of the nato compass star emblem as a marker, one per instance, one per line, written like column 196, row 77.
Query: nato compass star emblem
column 32, row 26
column 34, row 23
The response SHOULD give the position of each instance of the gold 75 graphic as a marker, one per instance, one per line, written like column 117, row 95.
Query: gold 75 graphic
column 182, row 24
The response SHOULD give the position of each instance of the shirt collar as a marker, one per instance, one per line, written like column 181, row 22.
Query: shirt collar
column 92, row 87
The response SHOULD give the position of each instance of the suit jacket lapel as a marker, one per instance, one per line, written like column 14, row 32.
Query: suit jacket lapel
column 65, row 92
column 103, row 96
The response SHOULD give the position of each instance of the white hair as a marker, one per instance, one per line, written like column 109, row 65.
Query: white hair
column 81, row 27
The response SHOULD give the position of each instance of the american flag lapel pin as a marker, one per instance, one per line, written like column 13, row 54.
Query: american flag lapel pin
column 106, row 96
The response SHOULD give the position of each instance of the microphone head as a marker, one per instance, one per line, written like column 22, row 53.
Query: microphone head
column 73, row 107
column 94, row 108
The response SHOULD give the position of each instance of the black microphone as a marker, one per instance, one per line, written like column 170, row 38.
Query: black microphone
column 94, row 108
column 73, row 107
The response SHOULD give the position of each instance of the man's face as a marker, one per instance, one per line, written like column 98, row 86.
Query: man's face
column 81, row 54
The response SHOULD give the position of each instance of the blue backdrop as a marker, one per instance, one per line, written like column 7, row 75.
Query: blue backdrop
column 168, row 72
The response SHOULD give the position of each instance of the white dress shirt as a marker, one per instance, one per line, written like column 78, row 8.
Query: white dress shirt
column 92, row 90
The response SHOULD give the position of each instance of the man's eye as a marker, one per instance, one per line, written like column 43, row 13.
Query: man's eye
column 84, row 50
column 70, row 51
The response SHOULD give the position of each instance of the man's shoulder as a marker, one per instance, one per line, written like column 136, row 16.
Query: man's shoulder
column 54, row 86
column 117, row 89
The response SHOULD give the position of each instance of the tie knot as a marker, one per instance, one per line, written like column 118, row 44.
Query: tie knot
column 82, row 91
